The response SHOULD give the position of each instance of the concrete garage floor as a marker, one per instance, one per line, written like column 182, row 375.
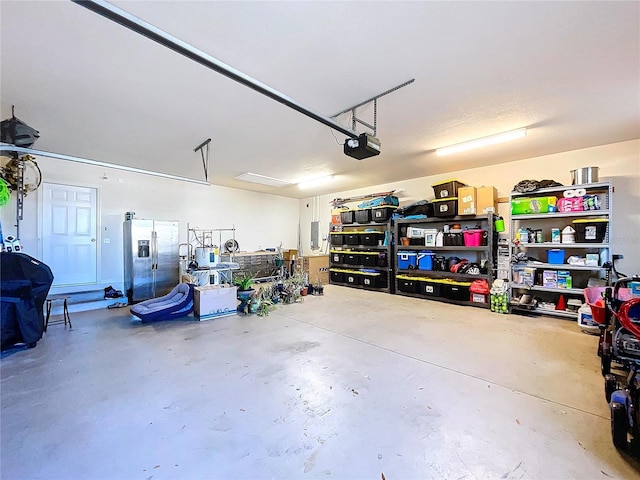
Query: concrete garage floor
column 351, row 385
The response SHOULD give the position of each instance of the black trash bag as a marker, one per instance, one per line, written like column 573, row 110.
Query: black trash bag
column 526, row 186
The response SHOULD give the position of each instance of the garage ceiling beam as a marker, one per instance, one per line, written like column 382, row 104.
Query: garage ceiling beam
column 163, row 38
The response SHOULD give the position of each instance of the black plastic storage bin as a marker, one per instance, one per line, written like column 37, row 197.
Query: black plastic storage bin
column 363, row 216
column 408, row 285
column 373, row 280
column 448, row 189
column 430, row 288
column 371, row 238
column 439, row 263
column 352, row 278
column 337, row 239
column 593, row 230
column 346, row 216
column 374, row 259
column 456, row 291
column 446, row 207
column 337, row 257
column 381, row 214
column 351, row 238
column 337, row 276
column 352, row 258
column 453, row 239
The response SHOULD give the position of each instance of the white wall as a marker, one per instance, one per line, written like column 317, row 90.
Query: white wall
column 619, row 162
column 261, row 220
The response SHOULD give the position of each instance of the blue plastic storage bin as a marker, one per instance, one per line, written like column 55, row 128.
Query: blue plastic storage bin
column 407, row 260
column 555, row 256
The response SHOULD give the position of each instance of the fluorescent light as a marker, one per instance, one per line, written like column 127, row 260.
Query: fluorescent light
column 263, row 179
column 481, row 142
column 314, row 182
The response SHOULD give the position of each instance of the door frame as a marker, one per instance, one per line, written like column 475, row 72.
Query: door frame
column 56, row 290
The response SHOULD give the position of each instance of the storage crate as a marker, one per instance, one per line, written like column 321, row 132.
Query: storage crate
column 363, row 216
column 347, row 216
column 592, row 230
column 337, row 276
column 351, row 238
column 430, row 287
column 448, row 189
column 353, row 278
column 337, row 238
column 453, row 239
column 456, row 290
column 382, row 214
column 555, row 256
column 425, row 260
column 337, row 257
column 374, row 259
column 408, row 284
column 351, row 259
column 407, row 260
column 372, row 280
column 371, row 239
column 445, row 207
column 439, row 263
column 475, row 237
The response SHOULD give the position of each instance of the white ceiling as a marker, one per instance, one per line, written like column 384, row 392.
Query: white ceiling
column 570, row 71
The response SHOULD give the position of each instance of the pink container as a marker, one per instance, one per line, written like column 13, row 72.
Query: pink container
column 473, row 238
column 570, row 204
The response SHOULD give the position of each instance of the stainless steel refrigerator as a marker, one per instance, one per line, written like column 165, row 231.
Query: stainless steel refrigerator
column 151, row 260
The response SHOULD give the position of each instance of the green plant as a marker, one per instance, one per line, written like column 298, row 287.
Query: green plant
column 244, row 283
column 266, row 306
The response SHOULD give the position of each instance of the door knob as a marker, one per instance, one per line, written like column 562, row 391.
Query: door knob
column 93, row 239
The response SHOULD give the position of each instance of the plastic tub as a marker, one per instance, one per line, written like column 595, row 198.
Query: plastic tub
column 337, row 257
column 408, row 284
column 473, row 238
column 555, row 256
column 346, row 216
column 363, row 216
column 592, row 230
column 445, row 207
column 381, row 214
column 447, row 189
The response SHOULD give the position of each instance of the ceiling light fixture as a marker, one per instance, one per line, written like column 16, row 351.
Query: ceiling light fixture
column 482, row 142
column 263, row 179
column 314, row 182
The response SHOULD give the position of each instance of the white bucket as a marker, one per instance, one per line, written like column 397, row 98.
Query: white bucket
column 203, row 277
column 568, row 235
column 203, row 256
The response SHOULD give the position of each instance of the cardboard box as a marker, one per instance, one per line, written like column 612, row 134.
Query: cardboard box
column 486, row 200
column 213, row 301
column 467, row 201
column 289, row 255
column 550, row 278
column 317, row 267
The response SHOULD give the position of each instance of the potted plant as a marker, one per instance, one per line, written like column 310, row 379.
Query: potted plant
column 244, row 291
column 318, row 288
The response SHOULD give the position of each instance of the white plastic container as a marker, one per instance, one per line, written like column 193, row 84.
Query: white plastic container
column 585, row 320
column 568, row 235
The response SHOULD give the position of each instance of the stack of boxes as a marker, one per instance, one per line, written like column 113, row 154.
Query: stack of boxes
column 477, row 200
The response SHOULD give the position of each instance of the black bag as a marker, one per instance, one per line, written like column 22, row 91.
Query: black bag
column 24, row 288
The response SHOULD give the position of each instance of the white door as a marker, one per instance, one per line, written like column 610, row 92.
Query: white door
column 69, row 229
